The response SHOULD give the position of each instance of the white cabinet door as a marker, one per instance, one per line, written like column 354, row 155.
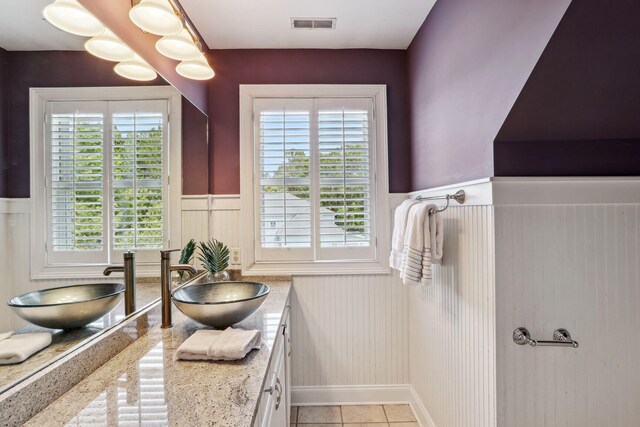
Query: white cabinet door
column 287, row 364
column 275, row 412
column 280, row 416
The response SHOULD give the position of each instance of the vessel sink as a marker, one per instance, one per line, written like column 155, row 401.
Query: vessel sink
column 68, row 307
column 220, row 304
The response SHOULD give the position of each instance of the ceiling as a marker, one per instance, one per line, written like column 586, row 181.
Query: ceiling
column 243, row 24
column 22, row 27
column 264, row 24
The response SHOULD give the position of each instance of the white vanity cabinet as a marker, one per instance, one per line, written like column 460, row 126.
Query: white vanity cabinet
column 275, row 403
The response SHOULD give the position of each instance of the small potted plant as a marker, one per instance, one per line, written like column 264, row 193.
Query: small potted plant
column 214, row 256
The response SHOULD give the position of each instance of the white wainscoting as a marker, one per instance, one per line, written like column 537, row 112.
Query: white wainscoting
column 452, row 327
column 574, row 267
column 349, row 330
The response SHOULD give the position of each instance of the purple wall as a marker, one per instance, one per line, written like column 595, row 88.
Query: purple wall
column 466, row 67
column 578, row 112
column 235, row 67
column 60, row 69
column 4, row 65
column 195, row 149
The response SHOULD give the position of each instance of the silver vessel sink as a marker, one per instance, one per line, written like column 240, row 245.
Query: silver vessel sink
column 67, row 307
column 220, row 304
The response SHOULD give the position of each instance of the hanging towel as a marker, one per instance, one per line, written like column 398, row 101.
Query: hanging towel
column 437, row 237
column 413, row 253
column 399, row 227
column 230, row 344
column 18, row 348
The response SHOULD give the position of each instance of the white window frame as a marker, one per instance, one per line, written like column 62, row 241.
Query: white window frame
column 378, row 264
column 38, row 98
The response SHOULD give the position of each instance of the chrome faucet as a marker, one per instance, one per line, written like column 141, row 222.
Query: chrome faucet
column 165, row 282
column 129, row 270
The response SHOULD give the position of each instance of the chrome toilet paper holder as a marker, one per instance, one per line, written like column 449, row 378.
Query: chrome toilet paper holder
column 561, row 338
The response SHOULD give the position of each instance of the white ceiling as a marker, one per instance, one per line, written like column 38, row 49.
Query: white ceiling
column 22, row 27
column 244, row 24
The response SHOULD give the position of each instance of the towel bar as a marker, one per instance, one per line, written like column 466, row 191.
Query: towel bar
column 561, row 338
column 459, row 197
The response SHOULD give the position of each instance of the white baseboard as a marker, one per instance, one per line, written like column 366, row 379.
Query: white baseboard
column 421, row 413
column 362, row 395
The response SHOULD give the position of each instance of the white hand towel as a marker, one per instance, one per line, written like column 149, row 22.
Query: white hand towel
column 18, row 348
column 230, row 344
column 399, row 227
column 414, row 244
column 437, row 237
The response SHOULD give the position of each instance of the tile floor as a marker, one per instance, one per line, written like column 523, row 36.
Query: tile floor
column 353, row 416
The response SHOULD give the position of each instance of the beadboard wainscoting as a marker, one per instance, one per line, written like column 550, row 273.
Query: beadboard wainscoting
column 452, row 326
column 574, row 267
column 349, row 330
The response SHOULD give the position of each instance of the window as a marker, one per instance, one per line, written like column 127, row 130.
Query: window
column 105, row 168
column 317, row 193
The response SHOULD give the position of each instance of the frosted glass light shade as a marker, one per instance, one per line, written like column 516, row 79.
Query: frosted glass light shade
column 108, row 46
column 196, row 69
column 135, row 69
column 156, row 17
column 180, row 47
column 72, row 17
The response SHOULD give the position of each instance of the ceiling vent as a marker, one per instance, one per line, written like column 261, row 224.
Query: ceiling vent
column 313, row 23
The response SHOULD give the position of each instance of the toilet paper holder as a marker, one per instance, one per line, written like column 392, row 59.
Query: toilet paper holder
column 561, row 338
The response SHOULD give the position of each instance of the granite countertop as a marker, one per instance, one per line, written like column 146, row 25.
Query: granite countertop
column 148, row 290
column 143, row 383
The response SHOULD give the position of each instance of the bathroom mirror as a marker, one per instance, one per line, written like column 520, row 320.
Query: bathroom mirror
column 34, row 54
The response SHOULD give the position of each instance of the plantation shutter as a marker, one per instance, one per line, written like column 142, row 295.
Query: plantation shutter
column 75, row 181
column 138, row 201
column 345, row 144
column 315, row 184
column 106, row 180
column 284, row 223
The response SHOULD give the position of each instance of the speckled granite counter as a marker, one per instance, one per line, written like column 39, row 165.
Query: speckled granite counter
column 144, row 385
column 147, row 290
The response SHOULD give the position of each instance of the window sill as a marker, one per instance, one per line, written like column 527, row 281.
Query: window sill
column 316, row 268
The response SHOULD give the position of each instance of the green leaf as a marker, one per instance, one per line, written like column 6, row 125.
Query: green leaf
column 214, row 256
column 187, row 254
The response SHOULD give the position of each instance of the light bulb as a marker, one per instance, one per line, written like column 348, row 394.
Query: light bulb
column 180, row 46
column 72, row 17
column 156, row 17
column 108, row 46
column 196, row 69
column 135, row 69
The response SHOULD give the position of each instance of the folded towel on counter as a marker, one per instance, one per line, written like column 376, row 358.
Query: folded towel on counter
column 230, row 344
column 5, row 335
column 414, row 255
column 18, row 348
column 399, row 227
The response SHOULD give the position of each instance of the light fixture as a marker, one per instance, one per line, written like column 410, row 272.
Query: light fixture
column 135, row 69
column 108, row 46
column 180, row 47
column 72, row 17
column 156, row 17
column 196, row 69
